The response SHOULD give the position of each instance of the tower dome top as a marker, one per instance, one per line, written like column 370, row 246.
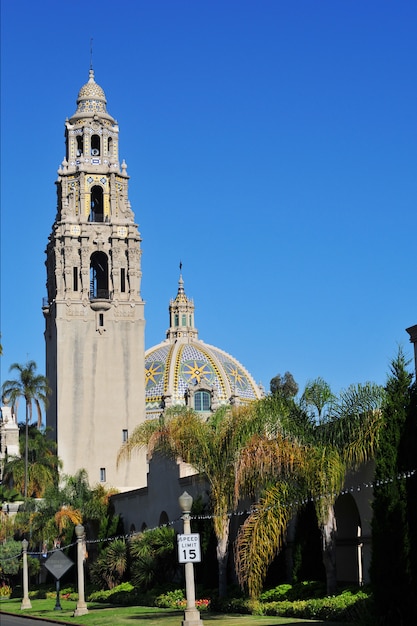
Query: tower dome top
column 181, row 368
column 91, row 90
column 91, row 101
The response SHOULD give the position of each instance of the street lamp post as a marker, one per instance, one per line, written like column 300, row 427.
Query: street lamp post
column 26, row 603
column 191, row 613
column 81, row 605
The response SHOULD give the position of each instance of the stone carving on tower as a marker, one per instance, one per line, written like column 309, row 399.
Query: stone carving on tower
column 94, row 311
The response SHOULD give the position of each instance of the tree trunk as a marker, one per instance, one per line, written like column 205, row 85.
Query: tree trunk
column 26, row 450
column 328, row 533
column 222, row 556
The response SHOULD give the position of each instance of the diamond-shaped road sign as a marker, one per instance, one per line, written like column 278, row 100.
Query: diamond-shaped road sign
column 58, row 563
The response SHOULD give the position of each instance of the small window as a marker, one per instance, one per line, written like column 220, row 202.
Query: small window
column 75, row 278
column 122, row 279
column 184, row 320
column 125, row 435
column 101, row 319
column 110, row 146
column 202, row 401
column 177, row 320
column 102, row 474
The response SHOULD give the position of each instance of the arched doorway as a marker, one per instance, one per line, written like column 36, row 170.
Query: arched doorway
column 348, row 540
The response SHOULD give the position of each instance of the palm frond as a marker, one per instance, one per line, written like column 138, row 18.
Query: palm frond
column 66, row 515
column 264, row 459
column 261, row 537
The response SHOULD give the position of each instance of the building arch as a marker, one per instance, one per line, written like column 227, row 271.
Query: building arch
column 96, row 204
column 99, row 276
column 163, row 519
column 349, row 542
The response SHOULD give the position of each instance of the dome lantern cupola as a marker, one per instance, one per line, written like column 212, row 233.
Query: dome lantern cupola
column 181, row 316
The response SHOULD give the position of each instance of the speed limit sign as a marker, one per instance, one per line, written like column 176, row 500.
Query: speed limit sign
column 189, row 548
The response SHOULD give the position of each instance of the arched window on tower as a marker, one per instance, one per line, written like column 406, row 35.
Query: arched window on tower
column 96, row 208
column 99, row 276
column 110, row 146
column 80, row 145
column 202, row 401
column 95, row 145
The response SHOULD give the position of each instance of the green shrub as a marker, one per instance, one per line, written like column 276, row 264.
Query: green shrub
column 99, row 596
column 5, row 591
column 122, row 595
column 346, row 607
column 238, row 605
column 37, row 594
column 307, row 589
column 170, row 599
column 65, row 593
column 299, row 591
column 276, row 594
column 176, row 600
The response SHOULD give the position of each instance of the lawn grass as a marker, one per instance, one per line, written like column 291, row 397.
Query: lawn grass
column 109, row 615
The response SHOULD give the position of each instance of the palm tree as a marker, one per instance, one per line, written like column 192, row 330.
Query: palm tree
column 34, row 389
column 153, row 557
column 42, row 468
column 317, row 395
column 212, row 447
column 111, row 565
column 344, row 439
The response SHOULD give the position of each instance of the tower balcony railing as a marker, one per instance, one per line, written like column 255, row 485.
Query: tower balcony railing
column 100, row 299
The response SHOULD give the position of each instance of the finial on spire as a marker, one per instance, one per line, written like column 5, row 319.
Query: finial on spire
column 91, row 53
column 180, row 266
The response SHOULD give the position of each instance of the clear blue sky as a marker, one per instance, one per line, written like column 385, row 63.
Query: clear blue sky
column 271, row 146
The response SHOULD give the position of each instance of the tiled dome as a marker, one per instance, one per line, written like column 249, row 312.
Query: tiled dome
column 182, row 365
column 91, row 100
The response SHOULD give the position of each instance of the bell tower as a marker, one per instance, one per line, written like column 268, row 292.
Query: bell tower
column 94, row 311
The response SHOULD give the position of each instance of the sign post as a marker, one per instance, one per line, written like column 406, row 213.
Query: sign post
column 189, row 553
column 58, row 564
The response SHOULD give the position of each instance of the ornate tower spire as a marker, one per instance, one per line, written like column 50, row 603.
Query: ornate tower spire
column 94, row 311
column 181, row 315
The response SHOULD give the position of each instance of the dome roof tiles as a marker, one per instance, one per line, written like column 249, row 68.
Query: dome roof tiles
column 91, row 101
column 172, row 368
